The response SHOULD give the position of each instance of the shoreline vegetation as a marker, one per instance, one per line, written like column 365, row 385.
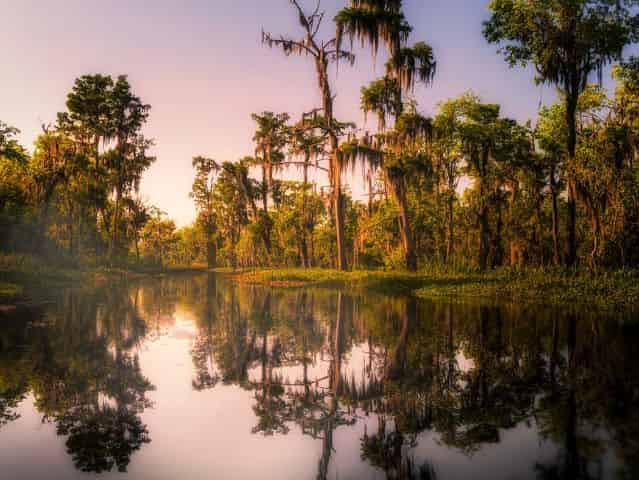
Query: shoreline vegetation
column 23, row 279
column 611, row 290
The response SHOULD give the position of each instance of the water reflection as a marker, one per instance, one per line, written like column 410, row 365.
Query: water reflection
column 409, row 389
column 74, row 360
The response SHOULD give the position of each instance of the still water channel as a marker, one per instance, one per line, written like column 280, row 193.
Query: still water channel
column 197, row 377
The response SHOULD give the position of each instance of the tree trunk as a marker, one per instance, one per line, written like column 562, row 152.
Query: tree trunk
column 408, row 242
column 96, row 181
column 555, row 217
column 335, row 174
column 371, row 195
column 484, row 230
column 451, row 225
column 265, row 187
column 71, row 243
column 338, row 208
column 116, row 221
column 305, row 230
column 266, row 225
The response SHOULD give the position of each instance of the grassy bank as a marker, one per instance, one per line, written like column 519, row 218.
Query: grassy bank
column 26, row 277
column 617, row 290
column 295, row 277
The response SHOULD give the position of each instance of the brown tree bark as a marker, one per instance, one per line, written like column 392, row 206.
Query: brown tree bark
column 335, row 169
column 408, row 242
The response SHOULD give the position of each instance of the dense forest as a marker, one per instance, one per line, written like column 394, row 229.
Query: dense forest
column 467, row 187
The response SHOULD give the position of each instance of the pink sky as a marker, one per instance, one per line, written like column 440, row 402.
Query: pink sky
column 201, row 66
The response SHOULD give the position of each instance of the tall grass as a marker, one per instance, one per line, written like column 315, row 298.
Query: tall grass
column 617, row 289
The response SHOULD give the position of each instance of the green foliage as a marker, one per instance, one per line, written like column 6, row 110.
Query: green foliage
column 75, row 196
column 467, row 188
column 157, row 239
column 566, row 41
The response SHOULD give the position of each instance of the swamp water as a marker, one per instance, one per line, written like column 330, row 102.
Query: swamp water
column 196, row 377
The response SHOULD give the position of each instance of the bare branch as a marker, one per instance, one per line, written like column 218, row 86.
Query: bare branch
column 288, row 45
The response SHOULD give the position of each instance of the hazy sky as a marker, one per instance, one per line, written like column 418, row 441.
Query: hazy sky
column 201, row 66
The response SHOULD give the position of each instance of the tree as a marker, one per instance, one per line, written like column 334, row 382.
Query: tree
column 88, row 122
column 305, row 143
column 487, row 141
column 371, row 21
column 157, row 237
column 53, row 163
column 128, row 160
column 9, row 147
column 138, row 215
column 13, row 181
column 235, row 198
column 624, row 129
column 202, row 190
column 270, row 139
column 567, row 41
column 551, row 134
column 447, row 156
column 323, row 53
column 104, row 121
column 401, row 152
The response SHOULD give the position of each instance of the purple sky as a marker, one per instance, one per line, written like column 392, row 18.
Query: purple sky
column 201, row 66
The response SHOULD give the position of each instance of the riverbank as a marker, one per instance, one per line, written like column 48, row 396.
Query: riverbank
column 617, row 290
column 27, row 279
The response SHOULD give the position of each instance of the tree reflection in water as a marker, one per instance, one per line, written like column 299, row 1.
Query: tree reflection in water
column 77, row 361
column 407, row 375
column 466, row 373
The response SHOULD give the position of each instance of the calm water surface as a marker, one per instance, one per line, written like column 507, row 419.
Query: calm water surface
column 194, row 377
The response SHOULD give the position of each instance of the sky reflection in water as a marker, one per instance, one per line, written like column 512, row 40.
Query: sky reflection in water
column 195, row 377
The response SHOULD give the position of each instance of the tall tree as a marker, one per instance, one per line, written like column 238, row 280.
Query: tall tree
column 88, row 121
column 128, row 160
column 206, row 170
column 447, row 156
column 551, row 134
column 487, row 142
column 157, row 236
column 306, row 144
column 372, row 21
column 402, row 153
column 270, row 139
column 13, row 181
column 235, row 199
column 323, row 53
column 52, row 164
column 567, row 41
